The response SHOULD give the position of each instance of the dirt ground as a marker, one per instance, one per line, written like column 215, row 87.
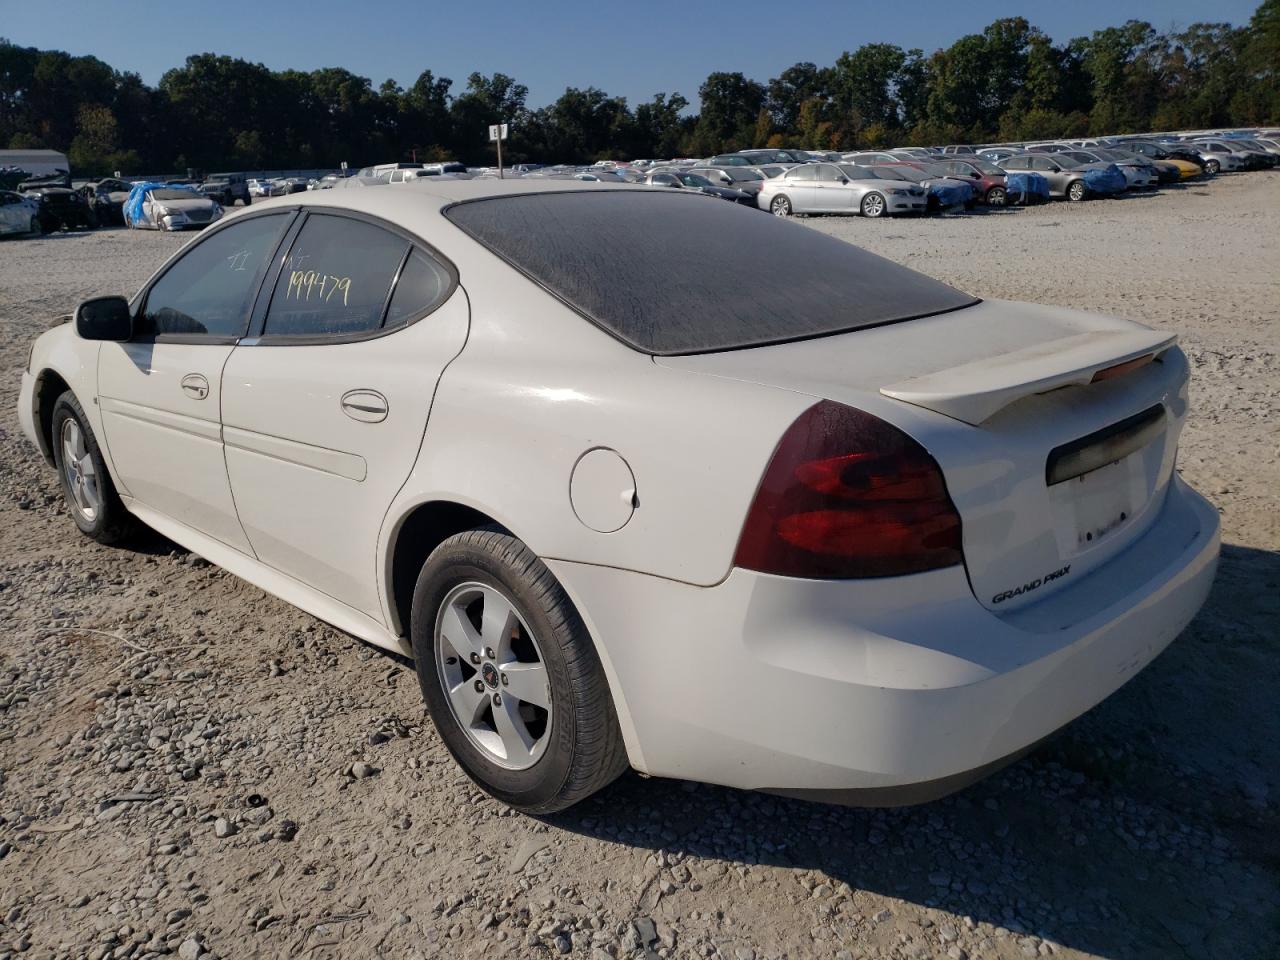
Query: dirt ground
column 176, row 747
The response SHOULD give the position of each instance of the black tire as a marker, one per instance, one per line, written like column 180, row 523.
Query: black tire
column 1077, row 191
column 91, row 221
column 35, row 228
column 112, row 523
column 780, row 206
column 584, row 750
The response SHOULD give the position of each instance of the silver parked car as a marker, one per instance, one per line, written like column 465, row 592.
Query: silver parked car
column 168, row 208
column 1065, row 176
column 839, row 188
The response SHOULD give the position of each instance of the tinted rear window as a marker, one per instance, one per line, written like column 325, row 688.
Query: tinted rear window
column 668, row 273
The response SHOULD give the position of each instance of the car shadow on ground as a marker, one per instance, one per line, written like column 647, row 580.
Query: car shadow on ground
column 1146, row 829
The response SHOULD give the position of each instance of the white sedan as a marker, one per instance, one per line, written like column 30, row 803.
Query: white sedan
column 18, row 214
column 807, row 522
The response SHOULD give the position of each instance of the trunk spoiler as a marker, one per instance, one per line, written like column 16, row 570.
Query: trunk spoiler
column 974, row 392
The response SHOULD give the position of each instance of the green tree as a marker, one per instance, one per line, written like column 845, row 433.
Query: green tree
column 730, row 105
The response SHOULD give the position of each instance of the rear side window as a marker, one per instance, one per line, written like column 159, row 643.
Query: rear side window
column 422, row 285
column 635, row 263
column 337, row 281
column 209, row 290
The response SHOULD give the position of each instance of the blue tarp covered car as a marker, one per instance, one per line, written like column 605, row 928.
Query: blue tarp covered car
column 1025, row 188
column 1105, row 180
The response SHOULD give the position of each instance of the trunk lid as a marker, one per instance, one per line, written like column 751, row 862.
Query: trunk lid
column 1053, row 472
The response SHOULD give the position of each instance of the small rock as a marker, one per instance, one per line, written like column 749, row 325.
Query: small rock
column 223, row 828
column 190, row 949
column 882, row 916
column 563, row 944
column 362, row 770
column 646, row 930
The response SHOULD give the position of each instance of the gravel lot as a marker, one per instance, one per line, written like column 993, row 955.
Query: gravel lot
column 190, row 766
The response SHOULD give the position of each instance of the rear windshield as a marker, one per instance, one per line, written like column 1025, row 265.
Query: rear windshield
column 668, row 273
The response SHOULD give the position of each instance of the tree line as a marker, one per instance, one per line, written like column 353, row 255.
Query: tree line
column 1009, row 82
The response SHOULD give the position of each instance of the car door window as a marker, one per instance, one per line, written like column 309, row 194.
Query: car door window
column 828, row 174
column 337, row 281
column 808, row 172
column 208, row 292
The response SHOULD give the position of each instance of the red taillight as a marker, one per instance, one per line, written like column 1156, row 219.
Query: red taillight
column 848, row 495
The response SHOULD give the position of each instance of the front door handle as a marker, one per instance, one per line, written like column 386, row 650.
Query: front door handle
column 195, row 386
column 367, row 406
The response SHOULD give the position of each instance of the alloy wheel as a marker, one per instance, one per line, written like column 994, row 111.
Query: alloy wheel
column 873, row 205
column 780, row 207
column 996, row 197
column 493, row 675
column 79, row 472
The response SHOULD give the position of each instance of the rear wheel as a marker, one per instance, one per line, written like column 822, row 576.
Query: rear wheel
column 780, row 207
column 873, row 205
column 510, row 675
column 1076, row 190
column 91, row 496
column 34, row 228
column 996, row 197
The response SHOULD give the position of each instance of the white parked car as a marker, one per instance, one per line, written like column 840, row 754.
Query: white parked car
column 807, row 522
column 18, row 214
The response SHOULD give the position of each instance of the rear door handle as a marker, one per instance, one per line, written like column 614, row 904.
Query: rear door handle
column 367, row 406
column 195, row 386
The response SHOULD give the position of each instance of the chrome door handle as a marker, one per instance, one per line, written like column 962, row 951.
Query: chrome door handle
column 195, row 386
column 367, row 406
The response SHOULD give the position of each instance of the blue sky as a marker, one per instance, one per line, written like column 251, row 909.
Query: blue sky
column 632, row 49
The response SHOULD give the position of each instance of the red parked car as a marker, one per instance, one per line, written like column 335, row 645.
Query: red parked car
column 986, row 177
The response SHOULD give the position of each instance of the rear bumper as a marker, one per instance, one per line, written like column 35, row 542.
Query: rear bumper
column 879, row 692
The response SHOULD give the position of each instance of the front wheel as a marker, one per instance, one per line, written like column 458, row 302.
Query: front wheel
column 780, row 207
column 510, row 675
column 91, row 496
column 873, row 205
column 1076, row 191
column 1212, row 167
column 996, row 197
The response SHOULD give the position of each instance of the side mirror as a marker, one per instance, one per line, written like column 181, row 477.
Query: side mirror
column 104, row 318
column 1055, row 168
column 844, row 179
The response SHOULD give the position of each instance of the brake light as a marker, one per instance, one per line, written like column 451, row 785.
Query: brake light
column 1120, row 369
column 847, row 495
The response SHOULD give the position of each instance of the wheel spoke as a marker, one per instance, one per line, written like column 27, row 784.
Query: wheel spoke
column 527, row 682
column 515, row 736
column 497, row 622
column 76, row 439
column 78, row 493
column 86, row 466
column 467, row 702
column 90, row 485
column 458, row 632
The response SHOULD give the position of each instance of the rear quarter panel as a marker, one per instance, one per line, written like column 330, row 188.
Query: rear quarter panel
column 537, row 386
